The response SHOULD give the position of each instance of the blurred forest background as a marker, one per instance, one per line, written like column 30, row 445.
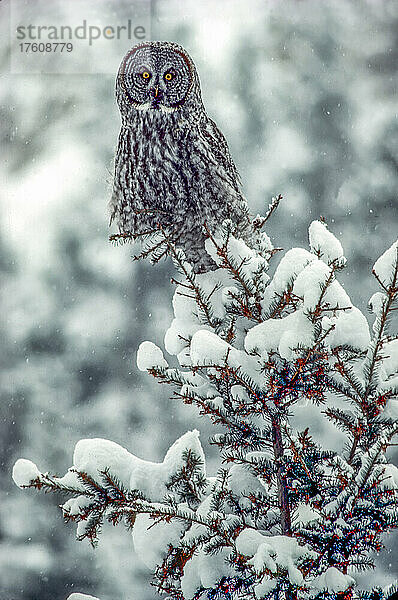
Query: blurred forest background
column 305, row 94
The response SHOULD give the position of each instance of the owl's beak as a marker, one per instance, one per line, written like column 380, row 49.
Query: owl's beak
column 156, row 94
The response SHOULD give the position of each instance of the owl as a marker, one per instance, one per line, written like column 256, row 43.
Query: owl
column 173, row 170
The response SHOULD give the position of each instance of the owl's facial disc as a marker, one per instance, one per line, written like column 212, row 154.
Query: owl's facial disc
column 155, row 77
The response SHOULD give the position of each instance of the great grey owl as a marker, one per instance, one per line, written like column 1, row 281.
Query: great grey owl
column 173, row 169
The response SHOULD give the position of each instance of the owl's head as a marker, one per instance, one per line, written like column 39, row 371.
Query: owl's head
column 157, row 76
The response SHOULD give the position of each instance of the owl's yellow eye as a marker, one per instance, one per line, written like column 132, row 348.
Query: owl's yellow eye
column 146, row 75
column 169, row 76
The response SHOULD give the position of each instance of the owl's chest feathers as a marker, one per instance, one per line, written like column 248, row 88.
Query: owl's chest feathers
column 157, row 142
column 170, row 166
column 158, row 160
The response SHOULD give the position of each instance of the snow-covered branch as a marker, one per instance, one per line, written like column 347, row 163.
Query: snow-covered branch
column 303, row 398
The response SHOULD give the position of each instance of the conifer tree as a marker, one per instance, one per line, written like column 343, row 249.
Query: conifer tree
column 303, row 400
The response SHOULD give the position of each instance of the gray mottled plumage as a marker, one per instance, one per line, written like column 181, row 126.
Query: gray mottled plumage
column 173, row 167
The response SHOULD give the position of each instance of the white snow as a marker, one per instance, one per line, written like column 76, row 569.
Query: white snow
column 151, row 541
column 76, row 506
column 248, row 541
column 249, row 259
column 187, row 319
column 390, row 384
column 376, row 302
column 391, row 409
column 333, row 580
column 390, row 479
column 296, row 329
column 197, row 529
column 95, row 455
column 209, row 349
column 264, row 559
column 272, row 552
column 301, row 334
column 150, row 356
column 350, row 327
column 228, row 294
column 325, row 245
column 389, row 377
column 239, row 393
column 76, row 596
column 183, row 325
column 205, row 570
column 24, row 471
column 241, row 252
column 384, row 266
column 265, row 587
column 151, row 478
column 291, row 264
column 304, row 514
column 390, row 360
column 180, row 330
column 281, row 334
column 243, row 483
column 309, row 283
column 188, row 441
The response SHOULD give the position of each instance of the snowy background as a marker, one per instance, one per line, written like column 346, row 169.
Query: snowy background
column 304, row 92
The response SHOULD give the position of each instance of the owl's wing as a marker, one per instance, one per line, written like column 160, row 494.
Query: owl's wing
column 218, row 147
